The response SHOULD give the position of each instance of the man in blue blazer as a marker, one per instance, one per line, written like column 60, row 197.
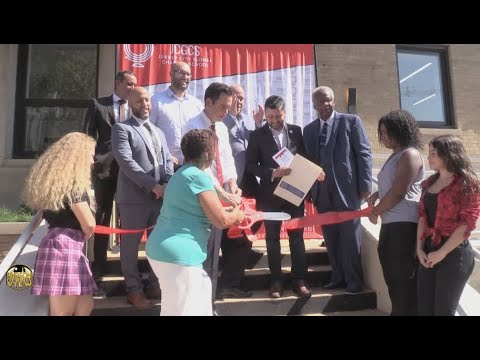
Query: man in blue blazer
column 145, row 164
column 339, row 144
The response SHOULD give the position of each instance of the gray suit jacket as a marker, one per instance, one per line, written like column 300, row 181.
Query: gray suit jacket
column 239, row 138
column 134, row 156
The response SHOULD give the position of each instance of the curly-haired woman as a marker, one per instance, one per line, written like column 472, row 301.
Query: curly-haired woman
column 449, row 210
column 399, row 193
column 177, row 246
column 59, row 184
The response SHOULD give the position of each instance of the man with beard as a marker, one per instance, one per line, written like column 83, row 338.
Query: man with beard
column 172, row 109
column 146, row 166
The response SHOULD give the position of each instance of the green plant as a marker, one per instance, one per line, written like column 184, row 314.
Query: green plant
column 23, row 214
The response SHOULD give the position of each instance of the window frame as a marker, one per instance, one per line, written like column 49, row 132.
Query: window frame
column 22, row 102
column 445, row 76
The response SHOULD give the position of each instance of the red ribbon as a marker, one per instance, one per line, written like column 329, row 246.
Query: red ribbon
column 99, row 229
column 331, row 217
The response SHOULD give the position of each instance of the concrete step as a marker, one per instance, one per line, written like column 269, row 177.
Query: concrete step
column 331, row 303
column 118, row 306
column 255, row 279
column 315, row 256
column 321, row 301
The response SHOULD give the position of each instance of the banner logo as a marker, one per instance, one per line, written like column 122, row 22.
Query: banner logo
column 138, row 59
column 19, row 277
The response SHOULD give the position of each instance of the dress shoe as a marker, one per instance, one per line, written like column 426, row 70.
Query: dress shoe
column 154, row 293
column 234, row 292
column 333, row 286
column 300, row 289
column 139, row 301
column 276, row 290
column 253, row 258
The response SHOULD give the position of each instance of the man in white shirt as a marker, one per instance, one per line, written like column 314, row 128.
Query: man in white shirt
column 172, row 109
column 218, row 99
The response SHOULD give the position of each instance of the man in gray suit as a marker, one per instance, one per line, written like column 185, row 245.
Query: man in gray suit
column 146, row 166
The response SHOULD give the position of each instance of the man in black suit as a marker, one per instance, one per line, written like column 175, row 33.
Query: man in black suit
column 264, row 143
column 101, row 115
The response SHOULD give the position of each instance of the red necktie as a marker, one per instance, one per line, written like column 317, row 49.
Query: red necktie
column 217, row 160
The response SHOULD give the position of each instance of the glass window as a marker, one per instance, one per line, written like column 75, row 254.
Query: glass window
column 424, row 88
column 54, row 85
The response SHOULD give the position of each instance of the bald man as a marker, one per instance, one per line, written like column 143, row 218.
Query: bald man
column 145, row 167
column 172, row 109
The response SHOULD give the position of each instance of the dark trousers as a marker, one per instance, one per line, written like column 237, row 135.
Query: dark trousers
column 104, row 194
column 297, row 245
column 343, row 240
column 440, row 288
column 396, row 250
column 235, row 255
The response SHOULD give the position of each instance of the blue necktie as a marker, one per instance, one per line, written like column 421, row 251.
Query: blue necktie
column 322, row 141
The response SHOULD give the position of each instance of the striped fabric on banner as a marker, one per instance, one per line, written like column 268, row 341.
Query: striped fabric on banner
column 287, row 70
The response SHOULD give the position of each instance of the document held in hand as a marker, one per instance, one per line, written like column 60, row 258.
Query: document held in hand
column 294, row 187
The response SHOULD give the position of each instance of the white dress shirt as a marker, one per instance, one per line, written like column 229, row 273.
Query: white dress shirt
column 146, row 133
column 171, row 113
column 226, row 158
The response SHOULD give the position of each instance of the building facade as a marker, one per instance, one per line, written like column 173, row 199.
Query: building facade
column 45, row 90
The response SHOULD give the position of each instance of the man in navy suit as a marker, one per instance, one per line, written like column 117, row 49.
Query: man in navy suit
column 101, row 115
column 339, row 144
column 264, row 144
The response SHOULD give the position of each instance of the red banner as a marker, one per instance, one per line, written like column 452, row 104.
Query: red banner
column 287, row 70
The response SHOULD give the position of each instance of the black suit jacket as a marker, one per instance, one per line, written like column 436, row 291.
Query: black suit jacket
column 261, row 148
column 98, row 124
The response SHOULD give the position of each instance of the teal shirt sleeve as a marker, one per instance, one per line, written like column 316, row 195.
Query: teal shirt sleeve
column 201, row 183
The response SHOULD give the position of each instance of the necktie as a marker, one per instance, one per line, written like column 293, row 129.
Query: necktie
column 322, row 140
column 122, row 114
column 156, row 145
column 217, row 159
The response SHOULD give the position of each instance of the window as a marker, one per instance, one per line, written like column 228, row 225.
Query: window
column 54, row 85
column 425, row 84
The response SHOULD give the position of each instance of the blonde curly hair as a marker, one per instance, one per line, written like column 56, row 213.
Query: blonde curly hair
column 61, row 174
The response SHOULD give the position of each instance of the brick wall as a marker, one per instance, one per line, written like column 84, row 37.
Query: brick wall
column 372, row 70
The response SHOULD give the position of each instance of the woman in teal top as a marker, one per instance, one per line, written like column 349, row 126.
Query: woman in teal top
column 177, row 246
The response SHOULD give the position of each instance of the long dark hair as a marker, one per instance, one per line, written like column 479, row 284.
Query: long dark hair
column 452, row 152
column 401, row 126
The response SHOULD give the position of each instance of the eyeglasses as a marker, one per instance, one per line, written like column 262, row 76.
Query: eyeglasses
column 182, row 73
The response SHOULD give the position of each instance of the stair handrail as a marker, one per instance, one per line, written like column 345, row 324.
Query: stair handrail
column 20, row 244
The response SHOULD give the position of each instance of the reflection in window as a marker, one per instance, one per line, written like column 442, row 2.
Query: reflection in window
column 62, row 71
column 422, row 87
column 45, row 125
column 54, row 87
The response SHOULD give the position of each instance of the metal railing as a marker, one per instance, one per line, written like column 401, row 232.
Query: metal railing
column 19, row 245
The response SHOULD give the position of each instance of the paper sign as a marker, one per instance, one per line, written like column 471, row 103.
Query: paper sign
column 283, row 158
column 294, row 187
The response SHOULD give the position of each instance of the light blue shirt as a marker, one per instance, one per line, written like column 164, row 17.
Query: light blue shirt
column 182, row 230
